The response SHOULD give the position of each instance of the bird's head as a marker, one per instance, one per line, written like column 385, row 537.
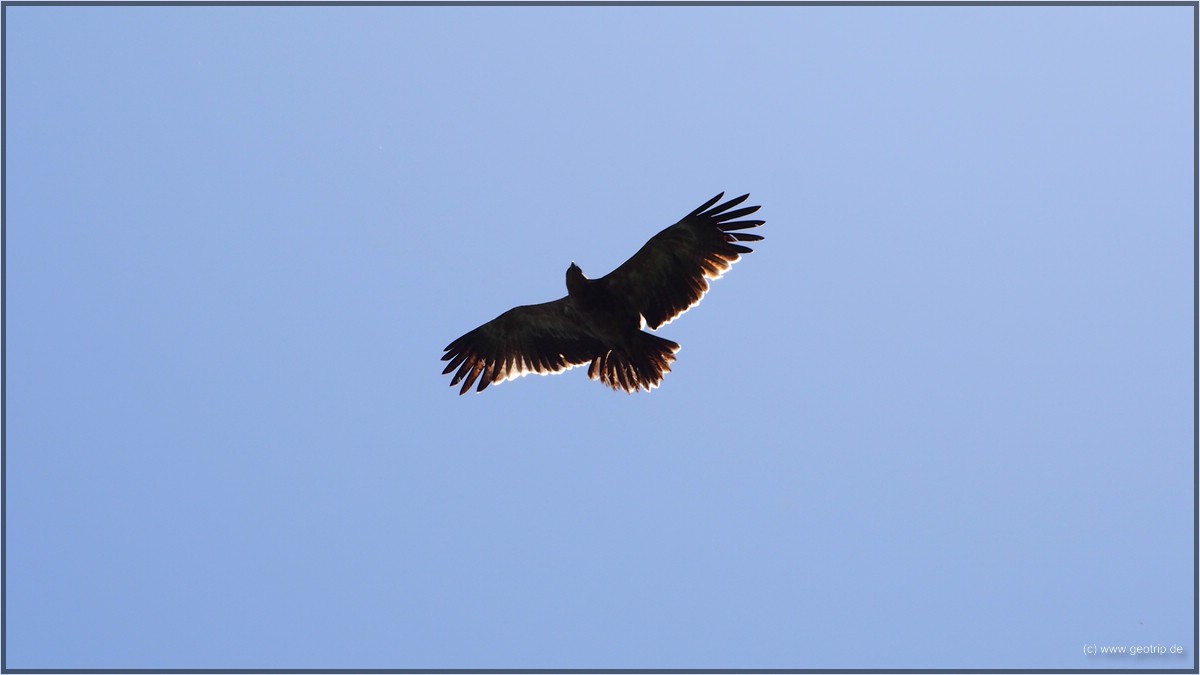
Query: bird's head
column 575, row 279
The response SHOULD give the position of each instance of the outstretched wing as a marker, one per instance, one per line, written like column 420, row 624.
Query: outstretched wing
column 545, row 338
column 670, row 274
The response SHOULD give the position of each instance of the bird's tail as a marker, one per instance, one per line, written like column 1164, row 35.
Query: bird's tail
column 638, row 365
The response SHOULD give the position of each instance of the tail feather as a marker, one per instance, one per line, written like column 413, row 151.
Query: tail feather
column 640, row 365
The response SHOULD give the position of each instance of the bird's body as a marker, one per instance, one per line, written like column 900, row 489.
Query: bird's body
column 600, row 321
column 607, row 315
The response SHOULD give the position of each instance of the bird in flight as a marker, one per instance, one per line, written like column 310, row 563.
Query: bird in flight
column 600, row 321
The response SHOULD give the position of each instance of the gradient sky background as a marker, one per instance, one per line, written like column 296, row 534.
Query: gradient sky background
column 941, row 418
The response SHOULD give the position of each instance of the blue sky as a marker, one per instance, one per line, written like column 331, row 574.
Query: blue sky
column 941, row 418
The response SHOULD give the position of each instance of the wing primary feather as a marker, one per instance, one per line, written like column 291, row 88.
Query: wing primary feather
column 720, row 218
column 470, row 377
column 741, row 225
column 729, row 204
column 455, row 361
column 706, row 204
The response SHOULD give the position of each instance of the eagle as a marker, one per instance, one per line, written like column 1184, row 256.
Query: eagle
column 600, row 321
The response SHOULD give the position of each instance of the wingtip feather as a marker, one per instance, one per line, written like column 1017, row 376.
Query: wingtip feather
column 729, row 204
column 741, row 225
column 744, row 236
column 704, row 207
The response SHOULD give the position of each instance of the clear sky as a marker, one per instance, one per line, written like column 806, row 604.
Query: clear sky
column 941, row 418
